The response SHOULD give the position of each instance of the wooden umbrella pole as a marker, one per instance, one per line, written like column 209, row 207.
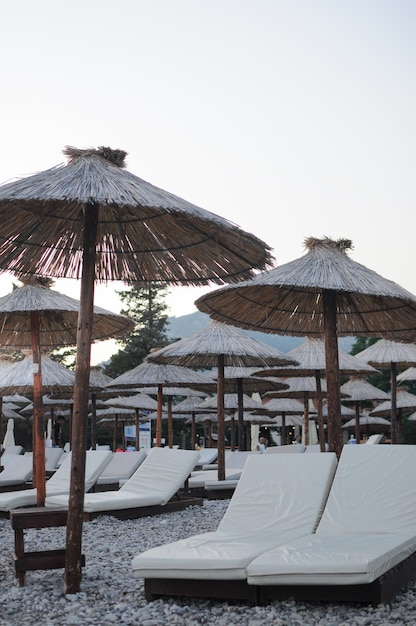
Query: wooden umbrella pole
column 393, row 416
column 240, row 414
column 94, row 421
column 137, row 425
column 306, row 417
column 193, row 433
column 321, row 424
column 38, row 426
column 221, row 426
column 170, row 423
column 357, row 422
column 159, row 416
column 283, row 437
column 80, row 406
column 332, row 371
column 115, row 434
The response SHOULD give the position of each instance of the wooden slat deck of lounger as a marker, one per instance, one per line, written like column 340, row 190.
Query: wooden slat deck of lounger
column 176, row 504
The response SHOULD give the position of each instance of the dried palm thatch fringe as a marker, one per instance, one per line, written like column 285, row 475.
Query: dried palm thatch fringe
column 36, row 281
column 116, row 157
column 342, row 245
column 144, row 233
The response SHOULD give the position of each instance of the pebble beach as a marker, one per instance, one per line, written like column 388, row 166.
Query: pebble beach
column 111, row 595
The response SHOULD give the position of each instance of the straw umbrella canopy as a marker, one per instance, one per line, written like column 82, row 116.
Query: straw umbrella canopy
column 190, row 406
column 243, row 379
column 37, row 317
column 112, row 414
column 232, row 403
column 219, row 345
column 56, row 378
column 281, row 407
column 405, row 402
column 390, row 354
column 312, row 362
column 306, row 387
column 323, row 293
column 359, row 390
column 370, row 424
column 138, row 402
column 95, row 220
column 408, row 374
column 149, row 374
column 170, row 393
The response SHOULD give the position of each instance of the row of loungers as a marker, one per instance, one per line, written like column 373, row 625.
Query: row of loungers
column 154, row 485
column 304, row 527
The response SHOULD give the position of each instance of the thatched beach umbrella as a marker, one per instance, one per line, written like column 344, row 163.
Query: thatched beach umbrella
column 243, row 379
column 232, row 402
column 219, row 345
column 190, row 406
column 92, row 219
column 390, row 354
column 306, row 388
column 359, row 390
column 113, row 415
column 408, row 375
column 139, row 402
column 369, row 423
column 405, row 402
column 311, row 357
column 148, row 374
column 324, row 293
column 282, row 408
column 35, row 316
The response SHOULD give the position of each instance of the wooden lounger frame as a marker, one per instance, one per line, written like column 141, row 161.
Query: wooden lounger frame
column 382, row 591
column 175, row 504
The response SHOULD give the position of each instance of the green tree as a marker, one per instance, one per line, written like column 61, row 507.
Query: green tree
column 147, row 307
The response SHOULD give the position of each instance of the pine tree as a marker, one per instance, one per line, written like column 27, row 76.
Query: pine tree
column 147, row 307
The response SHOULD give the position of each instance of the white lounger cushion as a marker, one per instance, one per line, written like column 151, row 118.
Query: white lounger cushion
column 278, row 498
column 16, row 471
column 368, row 525
column 121, row 467
column 155, row 482
column 59, row 483
column 52, row 456
column 331, row 560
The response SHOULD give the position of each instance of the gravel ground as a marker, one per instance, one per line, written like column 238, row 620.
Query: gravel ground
column 111, row 595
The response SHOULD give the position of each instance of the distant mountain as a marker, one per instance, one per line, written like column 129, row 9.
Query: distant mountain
column 187, row 325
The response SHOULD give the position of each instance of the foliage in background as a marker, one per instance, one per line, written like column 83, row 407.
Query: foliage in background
column 147, row 307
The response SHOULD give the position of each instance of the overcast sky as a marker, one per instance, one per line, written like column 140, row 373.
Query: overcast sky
column 291, row 118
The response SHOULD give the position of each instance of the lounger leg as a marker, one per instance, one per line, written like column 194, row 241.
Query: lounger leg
column 19, row 549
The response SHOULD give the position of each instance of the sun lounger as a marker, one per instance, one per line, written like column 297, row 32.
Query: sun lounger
column 207, row 456
column 234, row 463
column 373, row 439
column 121, row 467
column 150, row 490
column 290, row 448
column 52, row 458
column 278, row 498
column 17, row 471
column 365, row 545
column 59, row 483
column 13, row 450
